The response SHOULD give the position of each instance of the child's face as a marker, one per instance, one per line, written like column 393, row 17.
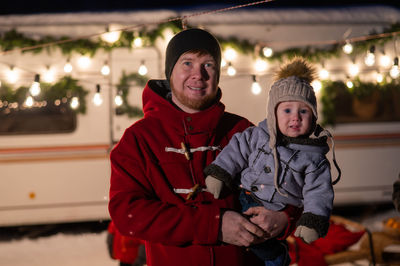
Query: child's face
column 294, row 118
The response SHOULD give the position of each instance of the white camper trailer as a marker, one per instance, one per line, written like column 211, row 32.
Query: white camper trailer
column 54, row 167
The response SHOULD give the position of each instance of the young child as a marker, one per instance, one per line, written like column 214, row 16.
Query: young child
column 280, row 163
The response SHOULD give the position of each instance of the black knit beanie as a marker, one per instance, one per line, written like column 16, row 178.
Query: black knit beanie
column 188, row 40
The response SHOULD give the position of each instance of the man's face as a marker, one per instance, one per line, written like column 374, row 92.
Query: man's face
column 194, row 82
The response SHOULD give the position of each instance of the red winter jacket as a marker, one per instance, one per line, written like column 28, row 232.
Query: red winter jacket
column 123, row 248
column 151, row 176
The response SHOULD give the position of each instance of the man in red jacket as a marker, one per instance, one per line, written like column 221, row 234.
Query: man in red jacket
column 157, row 182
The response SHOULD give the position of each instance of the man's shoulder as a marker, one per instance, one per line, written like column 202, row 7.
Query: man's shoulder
column 230, row 123
column 141, row 127
column 236, row 116
column 136, row 133
column 228, row 117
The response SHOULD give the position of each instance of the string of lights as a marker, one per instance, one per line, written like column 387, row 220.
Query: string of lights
column 384, row 68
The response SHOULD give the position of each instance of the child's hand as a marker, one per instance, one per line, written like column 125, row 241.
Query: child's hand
column 214, row 186
column 307, row 234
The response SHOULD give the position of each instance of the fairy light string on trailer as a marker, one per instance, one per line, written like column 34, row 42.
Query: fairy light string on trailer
column 135, row 36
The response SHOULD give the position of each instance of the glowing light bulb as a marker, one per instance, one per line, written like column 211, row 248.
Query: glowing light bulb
column 354, row 70
column 105, row 70
column 84, row 61
column 317, row 86
column 223, row 62
column 369, row 59
column 111, row 36
column 231, row 70
column 142, row 69
column 34, row 90
column 379, row 77
column 168, row 35
column 267, row 51
column 29, row 101
column 74, row 102
column 347, row 48
column 384, row 60
column 137, row 42
column 324, row 74
column 118, row 100
column 230, row 54
column 255, row 86
column 97, row 99
column 394, row 71
column 12, row 75
column 349, row 84
column 49, row 76
column 260, row 65
column 68, row 67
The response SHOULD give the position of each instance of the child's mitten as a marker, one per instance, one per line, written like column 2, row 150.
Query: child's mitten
column 214, row 186
column 307, row 234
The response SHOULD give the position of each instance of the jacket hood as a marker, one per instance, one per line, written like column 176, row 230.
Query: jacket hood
column 157, row 104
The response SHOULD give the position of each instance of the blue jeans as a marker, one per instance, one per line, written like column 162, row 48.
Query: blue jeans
column 273, row 252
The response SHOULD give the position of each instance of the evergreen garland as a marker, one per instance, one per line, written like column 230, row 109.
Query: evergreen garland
column 337, row 98
column 123, row 90
column 314, row 54
column 63, row 90
column 12, row 39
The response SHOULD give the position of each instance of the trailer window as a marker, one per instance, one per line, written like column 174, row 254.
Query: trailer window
column 47, row 119
column 371, row 103
column 375, row 108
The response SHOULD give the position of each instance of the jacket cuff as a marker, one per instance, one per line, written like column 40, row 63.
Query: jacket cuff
column 293, row 214
column 220, row 174
column 317, row 222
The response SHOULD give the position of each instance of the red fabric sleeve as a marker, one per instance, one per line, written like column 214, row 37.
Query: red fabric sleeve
column 124, row 248
column 293, row 214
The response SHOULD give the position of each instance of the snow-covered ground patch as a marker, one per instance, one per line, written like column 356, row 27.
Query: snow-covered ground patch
column 61, row 249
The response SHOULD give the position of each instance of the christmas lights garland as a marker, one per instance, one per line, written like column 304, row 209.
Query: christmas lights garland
column 12, row 39
column 51, row 94
column 67, row 86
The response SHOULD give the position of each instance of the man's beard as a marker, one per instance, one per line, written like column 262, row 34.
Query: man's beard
column 199, row 105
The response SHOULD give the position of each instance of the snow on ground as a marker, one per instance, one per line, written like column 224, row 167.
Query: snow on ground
column 85, row 249
column 88, row 247
column 73, row 244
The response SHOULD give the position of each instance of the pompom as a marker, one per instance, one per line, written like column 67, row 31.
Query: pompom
column 298, row 67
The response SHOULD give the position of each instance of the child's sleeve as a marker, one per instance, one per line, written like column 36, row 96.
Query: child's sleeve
column 293, row 214
column 318, row 197
column 233, row 158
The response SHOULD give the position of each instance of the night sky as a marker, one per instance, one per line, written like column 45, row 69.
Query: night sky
column 60, row 6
